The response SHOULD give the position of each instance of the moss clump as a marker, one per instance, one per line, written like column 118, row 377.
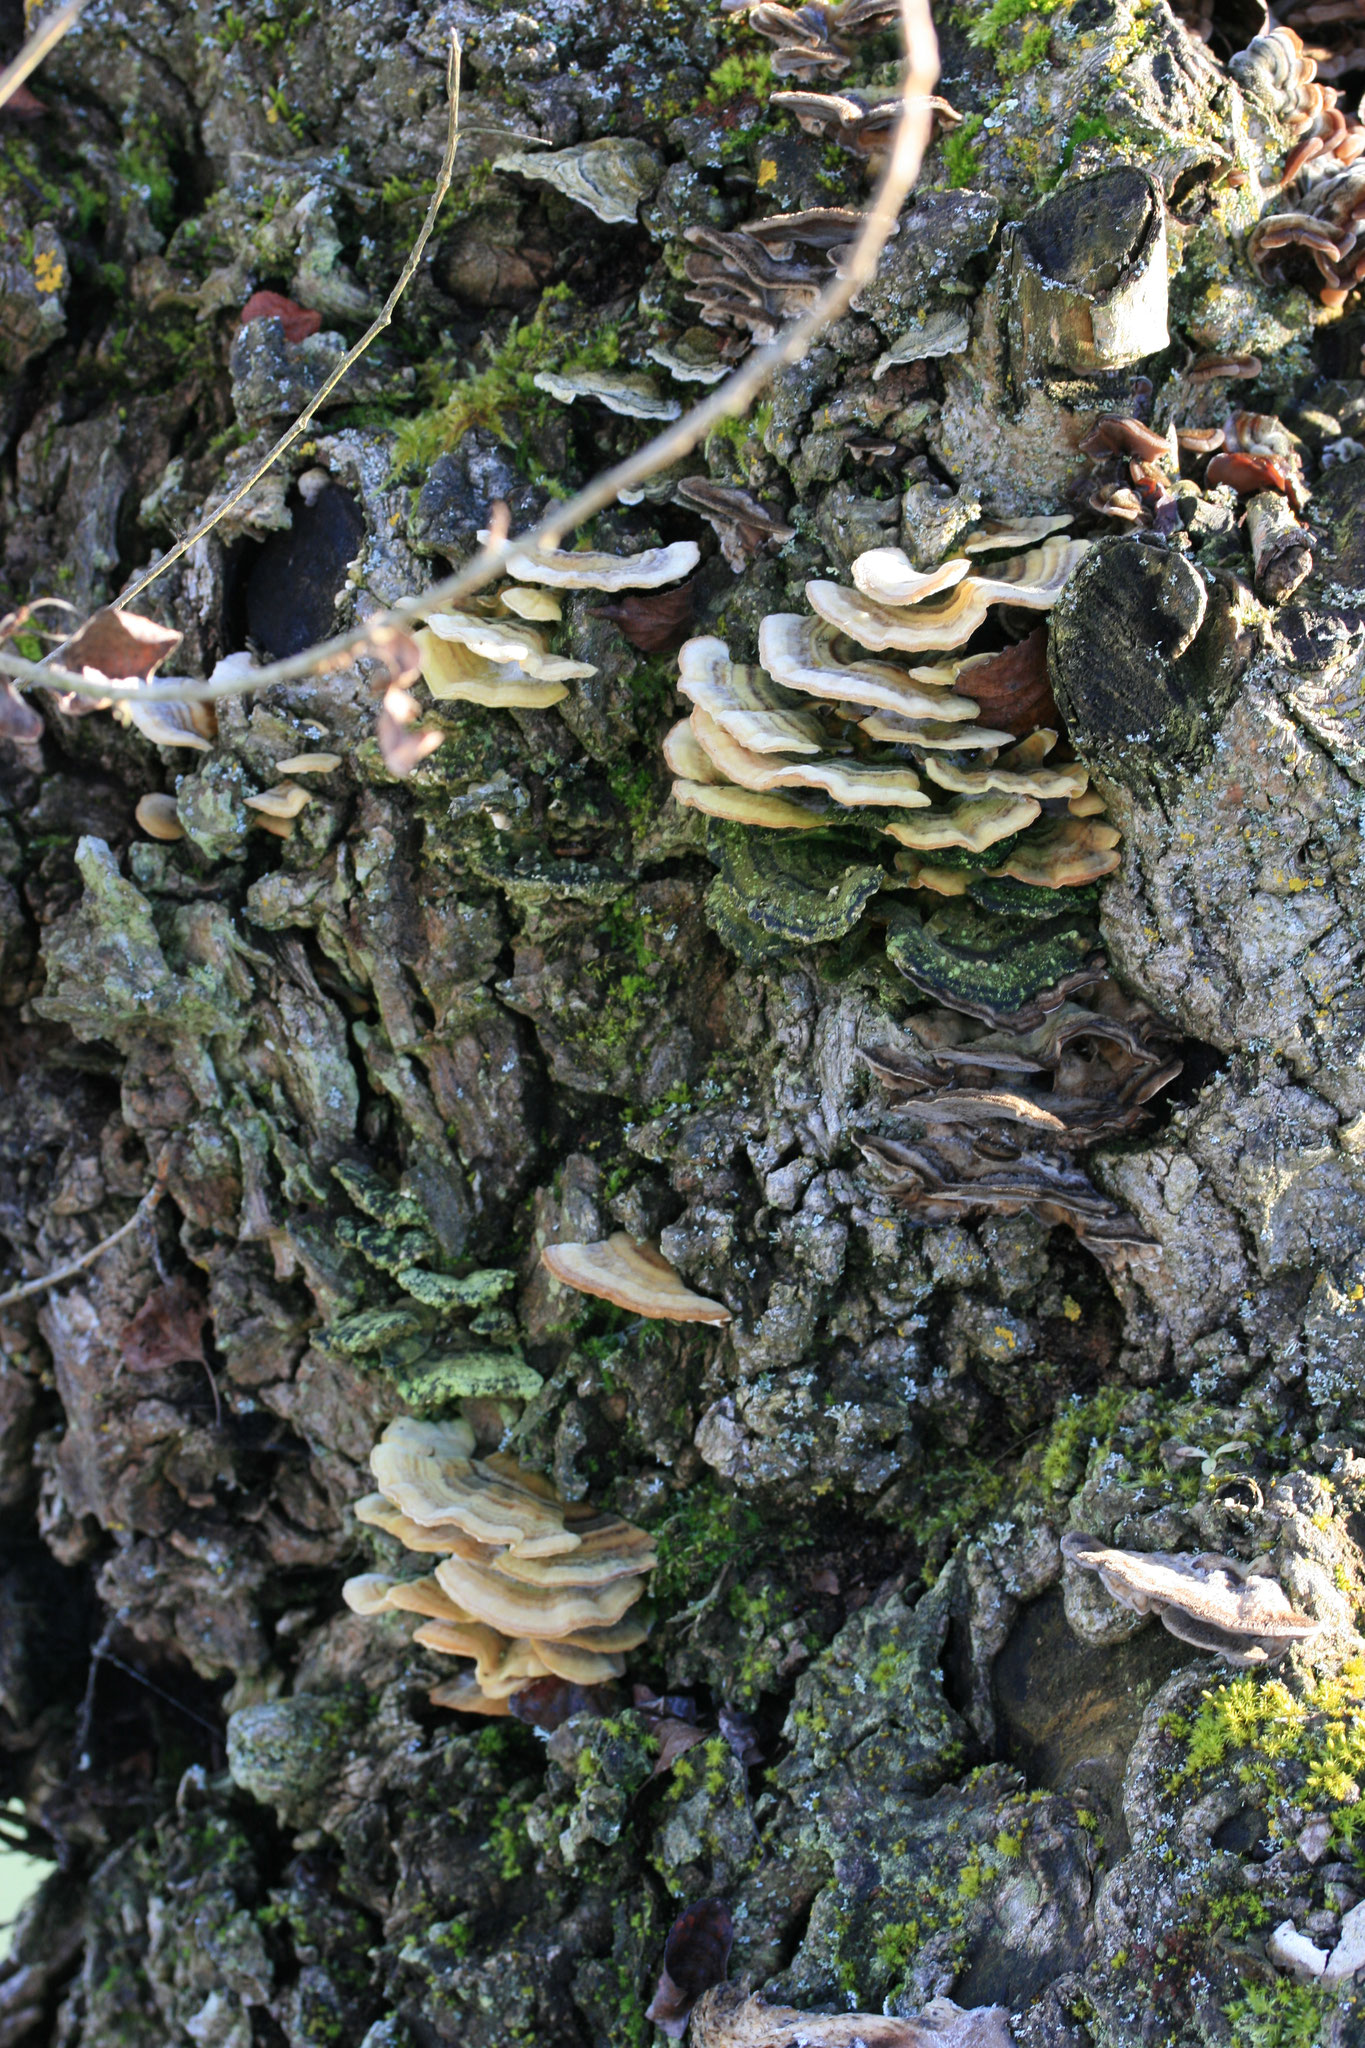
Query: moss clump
column 1305, row 1746
column 960, row 160
column 1014, row 55
column 502, row 396
column 1081, row 1427
column 1279, row 2016
column 708, row 1531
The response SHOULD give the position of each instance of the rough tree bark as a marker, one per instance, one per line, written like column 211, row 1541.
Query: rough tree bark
column 930, row 1762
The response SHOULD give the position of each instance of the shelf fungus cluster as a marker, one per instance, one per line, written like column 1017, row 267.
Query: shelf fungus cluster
column 813, row 41
column 1141, row 478
column 495, row 652
column 444, row 1337
column 753, row 279
column 939, row 800
column 986, row 1118
column 123, row 648
column 527, row 1586
column 1320, row 230
column 954, row 761
column 1210, row 1601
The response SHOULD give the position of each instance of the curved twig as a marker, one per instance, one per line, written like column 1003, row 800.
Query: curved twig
column 36, row 48
column 97, row 1251
column 725, row 402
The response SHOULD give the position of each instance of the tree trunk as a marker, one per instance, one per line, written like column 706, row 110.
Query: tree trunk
column 408, row 1024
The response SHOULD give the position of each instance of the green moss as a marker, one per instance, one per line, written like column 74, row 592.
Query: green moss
column 991, row 31
column 142, row 162
column 1281, row 2015
column 709, row 1530
column 960, row 160
column 1305, row 1747
column 746, row 72
column 508, row 1843
column 502, row 396
column 1081, row 1427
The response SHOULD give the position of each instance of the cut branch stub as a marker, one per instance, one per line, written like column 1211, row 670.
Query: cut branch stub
column 1144, row 657
column 1088, row 285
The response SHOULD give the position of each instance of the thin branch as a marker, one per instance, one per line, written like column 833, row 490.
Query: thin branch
column 36, row 48
column 352, row 357
column 725, row 402
column 30, row 1287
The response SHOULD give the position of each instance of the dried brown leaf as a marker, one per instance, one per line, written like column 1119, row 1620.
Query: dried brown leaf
column 696, row 1957
column 297, row 321
column 168, row 1329
column 652, row 620
column 121, row 647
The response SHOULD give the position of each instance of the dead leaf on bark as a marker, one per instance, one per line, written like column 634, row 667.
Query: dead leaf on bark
column 120, row 647
column 652, row 620
column 549, row 1702
column 297, row 321
column 18, row 719
column 167, row 1330
column 696, row 1958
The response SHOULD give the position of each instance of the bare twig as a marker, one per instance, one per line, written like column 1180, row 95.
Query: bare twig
column 36, row 48
column 30, row 1287
column 725, row 402
column 351, row 358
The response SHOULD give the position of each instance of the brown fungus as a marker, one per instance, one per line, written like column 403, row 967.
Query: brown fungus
column 632, row 1275
column 1212, row 1602
column 726, row 2018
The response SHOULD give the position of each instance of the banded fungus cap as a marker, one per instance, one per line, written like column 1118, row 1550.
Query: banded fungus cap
column 426, row 1470
column 156, row 813
column 634, row 1276
column 285, row 800
column 588, row 569
column 1209, row 1601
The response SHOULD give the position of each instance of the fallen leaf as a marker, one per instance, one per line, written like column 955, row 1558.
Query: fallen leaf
column 655, row 619
column 18, row 719
column 550, row 1702
column 119, row 647
column 297, row 321
column 738, row 1730
column 168, row 1329
column 675, row 1739
column 22, row 105
column 696, row 1958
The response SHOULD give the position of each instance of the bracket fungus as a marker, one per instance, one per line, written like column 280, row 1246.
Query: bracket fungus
column 583, row 569
column 528, row 1586
column 753, row 738
column 754, row 278
column 609, row 176
column 496, row 653
column 629, row 392
column 632, row 1275
column 1210, row 1601
column 726, row 2018
column 157, row 815
column 416, row 1343
column 981, row 1119
column 1002, row 838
